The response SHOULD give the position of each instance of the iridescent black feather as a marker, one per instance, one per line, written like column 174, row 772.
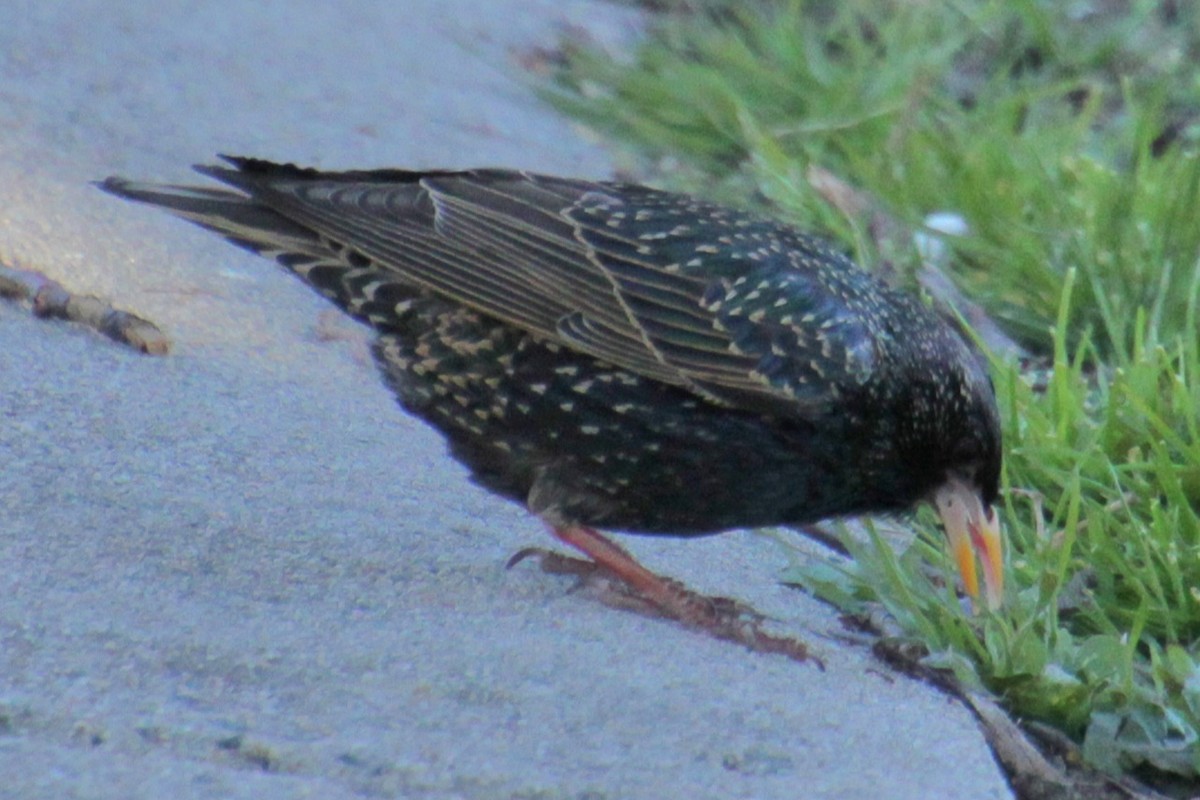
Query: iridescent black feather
column 621, row 357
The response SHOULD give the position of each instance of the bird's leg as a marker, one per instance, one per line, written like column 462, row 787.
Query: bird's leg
column 646, row 591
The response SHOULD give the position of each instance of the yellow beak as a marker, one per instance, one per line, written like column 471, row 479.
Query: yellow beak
column 973, row 530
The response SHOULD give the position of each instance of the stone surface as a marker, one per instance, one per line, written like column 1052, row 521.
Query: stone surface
column 240, row 571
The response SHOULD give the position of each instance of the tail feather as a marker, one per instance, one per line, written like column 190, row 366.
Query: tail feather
column 326, row 266
column 238, row 218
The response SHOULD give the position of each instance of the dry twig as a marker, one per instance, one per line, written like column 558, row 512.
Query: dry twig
column 50, row 299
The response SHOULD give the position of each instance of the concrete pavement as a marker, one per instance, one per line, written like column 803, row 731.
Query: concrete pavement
column 240, row 570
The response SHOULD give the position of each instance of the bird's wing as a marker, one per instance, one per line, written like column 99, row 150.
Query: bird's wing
column 748, row 310
column 740, row 310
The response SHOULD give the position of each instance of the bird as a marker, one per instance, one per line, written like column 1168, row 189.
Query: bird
column 623, row 359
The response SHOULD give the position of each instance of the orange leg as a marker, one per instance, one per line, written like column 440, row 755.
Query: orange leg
column 718, row 616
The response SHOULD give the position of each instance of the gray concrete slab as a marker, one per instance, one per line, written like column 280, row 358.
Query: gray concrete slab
column 240, row 571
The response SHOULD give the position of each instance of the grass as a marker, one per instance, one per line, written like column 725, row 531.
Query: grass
column 1064, row 134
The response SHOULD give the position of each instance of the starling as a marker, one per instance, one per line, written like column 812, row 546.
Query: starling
column 618, row 357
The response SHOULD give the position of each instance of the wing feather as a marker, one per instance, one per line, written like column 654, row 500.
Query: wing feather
column 738, row 309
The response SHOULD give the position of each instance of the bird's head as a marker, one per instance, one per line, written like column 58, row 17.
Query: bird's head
column 948, row 432
column 966, row 497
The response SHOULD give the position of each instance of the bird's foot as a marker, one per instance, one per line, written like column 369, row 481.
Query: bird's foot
column 693, row 608
column 720, row 617
column 592, row 579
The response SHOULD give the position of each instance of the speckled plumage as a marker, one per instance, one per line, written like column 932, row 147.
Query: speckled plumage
column 620, row 357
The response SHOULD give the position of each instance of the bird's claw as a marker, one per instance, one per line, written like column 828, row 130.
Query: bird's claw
column 721, row 617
